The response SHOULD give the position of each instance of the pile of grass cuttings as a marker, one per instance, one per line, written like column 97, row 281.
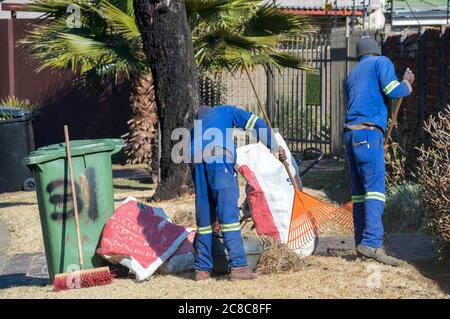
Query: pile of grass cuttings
column 184, row 218
column 278, row 258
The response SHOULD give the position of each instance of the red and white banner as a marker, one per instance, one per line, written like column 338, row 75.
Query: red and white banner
column 140, row 238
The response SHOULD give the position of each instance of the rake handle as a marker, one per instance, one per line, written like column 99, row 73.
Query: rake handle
column 266, row 118
column 394, row 122
column 74, row 196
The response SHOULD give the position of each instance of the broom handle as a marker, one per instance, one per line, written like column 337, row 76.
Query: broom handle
column 266, row 118
column 74, row 196
column 394, row 122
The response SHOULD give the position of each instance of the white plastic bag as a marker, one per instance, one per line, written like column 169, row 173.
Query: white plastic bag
column 270, row 192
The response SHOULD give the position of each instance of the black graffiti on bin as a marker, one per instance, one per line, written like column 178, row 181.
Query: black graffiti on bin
column 61, row 196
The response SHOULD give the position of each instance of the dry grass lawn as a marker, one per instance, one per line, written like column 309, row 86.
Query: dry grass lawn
column 320, row 277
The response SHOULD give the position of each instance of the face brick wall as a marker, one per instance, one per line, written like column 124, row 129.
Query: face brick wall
column 428, row 56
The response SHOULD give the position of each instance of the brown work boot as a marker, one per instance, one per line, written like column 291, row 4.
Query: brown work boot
column 241, row 273
column 202, row 275
column 378, row 254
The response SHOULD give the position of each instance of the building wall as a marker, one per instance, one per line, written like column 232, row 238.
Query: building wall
column 96, row 113
column 428, row 56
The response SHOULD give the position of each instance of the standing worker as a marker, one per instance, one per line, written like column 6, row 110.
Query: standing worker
column 216, row 184
column 365, row 125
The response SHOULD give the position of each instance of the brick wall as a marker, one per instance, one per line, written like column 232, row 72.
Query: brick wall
column 428, row 56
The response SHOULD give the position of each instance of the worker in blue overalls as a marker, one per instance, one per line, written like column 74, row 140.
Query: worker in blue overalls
column 216, row 184
column 372, row 79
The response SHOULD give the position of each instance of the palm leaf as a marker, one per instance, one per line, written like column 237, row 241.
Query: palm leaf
column 270, row 20
column 211, row 12
column 122, row 22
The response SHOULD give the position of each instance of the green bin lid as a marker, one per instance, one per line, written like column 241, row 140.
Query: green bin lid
column 77, row 147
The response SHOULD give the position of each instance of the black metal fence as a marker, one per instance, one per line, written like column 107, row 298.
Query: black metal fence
column 297, row 100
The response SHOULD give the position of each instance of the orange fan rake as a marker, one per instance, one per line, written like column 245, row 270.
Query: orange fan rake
column 310, row 216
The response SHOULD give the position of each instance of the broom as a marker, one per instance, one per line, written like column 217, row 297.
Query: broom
column 82, row 278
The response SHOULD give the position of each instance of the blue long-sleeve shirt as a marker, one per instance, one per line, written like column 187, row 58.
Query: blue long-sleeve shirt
column 214, row 130
column 372, row 77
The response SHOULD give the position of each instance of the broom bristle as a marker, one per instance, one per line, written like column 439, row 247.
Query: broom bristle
column 83, row 279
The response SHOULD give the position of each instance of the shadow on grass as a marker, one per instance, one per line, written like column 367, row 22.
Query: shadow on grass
column 439, row 273
column 21, row 280
column 133, row 188
column 12, row 204
column 134, row 184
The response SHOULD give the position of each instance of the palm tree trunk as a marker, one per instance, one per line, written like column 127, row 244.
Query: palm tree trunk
column 168, row 46
column 142, row 140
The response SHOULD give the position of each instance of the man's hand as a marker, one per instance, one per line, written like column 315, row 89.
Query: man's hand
column 282, row 154
column 409, row 76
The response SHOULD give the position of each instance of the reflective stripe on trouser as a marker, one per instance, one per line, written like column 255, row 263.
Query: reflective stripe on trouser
column 216, row 197
column 365, row 152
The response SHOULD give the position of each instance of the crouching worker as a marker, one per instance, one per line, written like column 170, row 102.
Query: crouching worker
column 216, row 184
column 365, row 126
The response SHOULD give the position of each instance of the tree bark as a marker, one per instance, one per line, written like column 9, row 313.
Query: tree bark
column 168, row 46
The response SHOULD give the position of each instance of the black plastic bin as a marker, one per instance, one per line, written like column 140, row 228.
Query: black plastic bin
column 16, row 143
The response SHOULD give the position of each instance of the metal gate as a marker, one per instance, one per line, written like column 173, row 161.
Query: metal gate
column 297, row 101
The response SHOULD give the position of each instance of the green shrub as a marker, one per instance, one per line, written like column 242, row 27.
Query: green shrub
column 433, row 173
column 402, row 211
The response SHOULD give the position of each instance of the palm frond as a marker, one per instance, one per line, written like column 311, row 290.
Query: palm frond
column 211, row 12
column 121, row 21
column 123, row 5
column 269, row 20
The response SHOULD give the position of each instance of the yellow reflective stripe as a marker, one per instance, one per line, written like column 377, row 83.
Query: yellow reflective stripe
column 376, row 196
column 251, row 122
column 369, row 195
column 391, row 86
column 228, row 226
column 358, row 198
column 204, row 230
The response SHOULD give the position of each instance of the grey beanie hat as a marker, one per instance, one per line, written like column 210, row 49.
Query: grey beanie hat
column 367, row 45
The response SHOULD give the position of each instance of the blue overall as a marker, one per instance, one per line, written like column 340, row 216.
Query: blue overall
column 367, row 85
column 216, row 182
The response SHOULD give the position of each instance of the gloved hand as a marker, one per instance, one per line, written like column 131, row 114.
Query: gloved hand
column 282, row 154
column 409, row 76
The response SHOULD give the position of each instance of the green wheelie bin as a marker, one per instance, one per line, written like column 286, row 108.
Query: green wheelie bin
column 94, row 189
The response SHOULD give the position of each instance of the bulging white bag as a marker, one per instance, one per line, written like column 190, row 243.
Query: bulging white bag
column 270, row 192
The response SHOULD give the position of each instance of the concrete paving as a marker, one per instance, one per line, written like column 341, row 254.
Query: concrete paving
column 408, row 247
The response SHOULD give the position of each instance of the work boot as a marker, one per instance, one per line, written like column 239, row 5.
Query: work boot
column 241, row 273
column 378, row 254
column 202, row 275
